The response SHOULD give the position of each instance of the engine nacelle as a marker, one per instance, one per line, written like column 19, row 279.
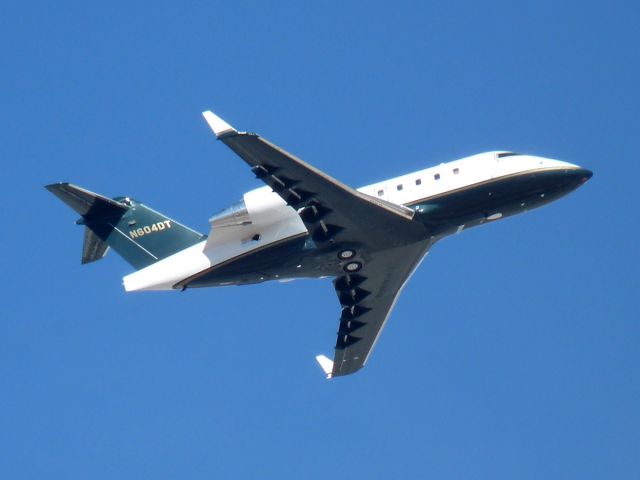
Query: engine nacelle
column 262, row 217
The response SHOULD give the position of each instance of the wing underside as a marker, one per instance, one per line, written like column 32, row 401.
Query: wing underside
column 367, row 299
column 387, row 244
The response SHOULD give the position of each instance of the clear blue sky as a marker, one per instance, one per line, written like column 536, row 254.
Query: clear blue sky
column 513, row 352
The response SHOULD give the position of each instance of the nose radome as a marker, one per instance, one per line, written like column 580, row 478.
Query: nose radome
column 582, row 174
column 587, row 174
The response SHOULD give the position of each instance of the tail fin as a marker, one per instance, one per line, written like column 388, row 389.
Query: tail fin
column 139, row 234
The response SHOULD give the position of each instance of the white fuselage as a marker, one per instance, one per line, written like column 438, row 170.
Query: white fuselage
column 267, row 219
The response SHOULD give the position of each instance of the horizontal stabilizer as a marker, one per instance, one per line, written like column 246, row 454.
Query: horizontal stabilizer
column 326, row 364
column 88, row 204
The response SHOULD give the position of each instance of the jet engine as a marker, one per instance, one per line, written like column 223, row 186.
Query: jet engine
column 262, row 216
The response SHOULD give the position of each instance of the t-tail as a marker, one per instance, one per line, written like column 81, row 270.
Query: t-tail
column 137, row 233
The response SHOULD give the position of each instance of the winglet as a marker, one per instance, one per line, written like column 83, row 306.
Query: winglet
column 218, row 125
column 326, row 364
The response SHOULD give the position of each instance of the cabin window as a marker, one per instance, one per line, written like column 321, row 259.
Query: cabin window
column 437, row 176
column 380, row 193
column 399, row 187
column 418, row 181
column 456, row 171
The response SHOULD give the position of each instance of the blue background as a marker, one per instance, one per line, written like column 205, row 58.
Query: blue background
column 513, row 352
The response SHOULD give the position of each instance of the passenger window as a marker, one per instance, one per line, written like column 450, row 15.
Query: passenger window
column 380, row 193
column 437, row 176
column 456, row 171
column 418, row 181
column 399, row 187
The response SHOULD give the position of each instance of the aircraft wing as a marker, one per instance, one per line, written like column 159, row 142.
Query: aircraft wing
column 331, row 210
column 367, row 299
column 386, row 238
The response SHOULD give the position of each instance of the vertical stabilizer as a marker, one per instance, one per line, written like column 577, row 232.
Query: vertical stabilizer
column 139, row 234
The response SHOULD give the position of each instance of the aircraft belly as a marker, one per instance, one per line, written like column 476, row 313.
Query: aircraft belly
column 294, row 258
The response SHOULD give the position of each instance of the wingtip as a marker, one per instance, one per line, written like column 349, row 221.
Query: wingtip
column 218, row 125
column 56, row 186
column 326, row 364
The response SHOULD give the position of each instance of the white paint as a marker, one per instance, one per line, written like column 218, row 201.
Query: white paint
column 163, row 275
column 494, row 216
column 218, row 125
column 326, row 364
column 471, row 170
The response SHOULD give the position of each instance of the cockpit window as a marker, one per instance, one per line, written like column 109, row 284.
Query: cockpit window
column 507, row 154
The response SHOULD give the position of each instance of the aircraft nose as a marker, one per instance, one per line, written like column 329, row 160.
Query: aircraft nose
column 572, row 172
column 584, row 174
column 576, row 177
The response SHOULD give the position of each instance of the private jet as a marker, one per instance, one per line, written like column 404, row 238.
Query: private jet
column 306, row 224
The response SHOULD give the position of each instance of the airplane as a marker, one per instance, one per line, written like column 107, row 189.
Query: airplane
column 305, row 224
